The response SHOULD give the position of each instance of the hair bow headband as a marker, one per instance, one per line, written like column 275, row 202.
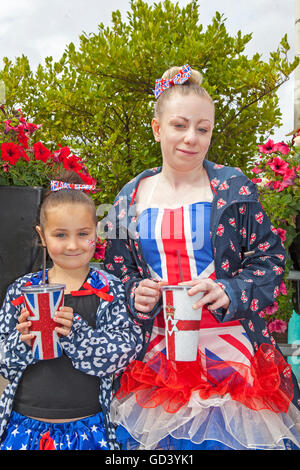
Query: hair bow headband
column 181, row 77
column 57, row 185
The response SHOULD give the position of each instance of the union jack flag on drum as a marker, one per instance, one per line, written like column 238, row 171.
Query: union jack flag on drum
column 42, row 307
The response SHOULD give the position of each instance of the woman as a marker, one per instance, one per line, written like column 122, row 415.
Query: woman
column 240, row 393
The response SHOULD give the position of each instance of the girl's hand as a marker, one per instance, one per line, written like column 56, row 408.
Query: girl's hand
column 147, row 294
column 64, row 316
column 24, row 327
column 214, row 296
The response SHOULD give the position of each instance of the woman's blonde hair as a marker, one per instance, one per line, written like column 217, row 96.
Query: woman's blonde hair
column 192, row 85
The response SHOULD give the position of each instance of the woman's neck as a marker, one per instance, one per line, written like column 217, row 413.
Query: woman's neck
column 177, row 179
column 73, row 279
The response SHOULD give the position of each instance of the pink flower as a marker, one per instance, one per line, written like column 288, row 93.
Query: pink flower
column 256, row 180
column 268, row 147
column 289, row 177
column 277, row 326
column 270, row 309
column 8, row 127
column 6, row 167
column 278, row 165
column 282, row 148
column 283, row 289
column 256, row 170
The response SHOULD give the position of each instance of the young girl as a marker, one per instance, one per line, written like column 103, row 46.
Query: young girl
column 63, row 403
column 239, row 393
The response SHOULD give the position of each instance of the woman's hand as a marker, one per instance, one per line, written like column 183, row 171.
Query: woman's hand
column 64, row 316
column 24, row 327
column 213, row 295
column 147, row 294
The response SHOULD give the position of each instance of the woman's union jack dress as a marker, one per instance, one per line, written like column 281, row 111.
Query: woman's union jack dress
column 231, row 397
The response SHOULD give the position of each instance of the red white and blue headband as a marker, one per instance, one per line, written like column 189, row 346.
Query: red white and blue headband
column 181, row 77
column 58, row 185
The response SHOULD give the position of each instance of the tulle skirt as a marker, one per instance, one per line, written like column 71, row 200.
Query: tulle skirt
column 171, row 405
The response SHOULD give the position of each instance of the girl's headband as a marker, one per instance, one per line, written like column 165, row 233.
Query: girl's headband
column 181, row 77
column 57, row 185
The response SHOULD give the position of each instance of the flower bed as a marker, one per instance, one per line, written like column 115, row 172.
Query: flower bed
column 277, row 171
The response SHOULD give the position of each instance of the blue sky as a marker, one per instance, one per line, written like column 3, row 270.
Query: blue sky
column 40, row 28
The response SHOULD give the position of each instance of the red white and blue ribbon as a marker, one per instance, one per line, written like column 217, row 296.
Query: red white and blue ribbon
column 181, row 77
column 58, row 185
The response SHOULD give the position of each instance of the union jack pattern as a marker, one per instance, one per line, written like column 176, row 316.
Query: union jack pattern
column 102, row 351
column 42, row 308
column 159, row 234
column 181, row 77
column 58, row 185
column 233, row 208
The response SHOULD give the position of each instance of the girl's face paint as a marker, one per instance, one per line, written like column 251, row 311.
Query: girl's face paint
column 91, row 243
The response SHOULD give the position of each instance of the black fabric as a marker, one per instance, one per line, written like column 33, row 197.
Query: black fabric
column 53, row 388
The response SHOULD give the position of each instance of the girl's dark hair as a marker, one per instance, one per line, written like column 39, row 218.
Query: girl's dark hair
column 65, row 196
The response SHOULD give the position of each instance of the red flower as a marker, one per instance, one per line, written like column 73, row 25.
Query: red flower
column 281, row 232
column 268, row 147
column 10, row 152
column 72, row 163
column 31, row 128
column 100, row 250
column 282, row 148
column 61, row 154
column 41, row 152
column 22, row 138
column 24, row 154
column 87, row 179
column 278, row 165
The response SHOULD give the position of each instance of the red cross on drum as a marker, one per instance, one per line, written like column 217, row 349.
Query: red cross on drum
column 182, row 323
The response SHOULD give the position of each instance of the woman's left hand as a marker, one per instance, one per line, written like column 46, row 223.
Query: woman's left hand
column 64, row 316
column 213, row 295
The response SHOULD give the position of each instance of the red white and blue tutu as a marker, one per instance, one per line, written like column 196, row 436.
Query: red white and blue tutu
column 231, row 397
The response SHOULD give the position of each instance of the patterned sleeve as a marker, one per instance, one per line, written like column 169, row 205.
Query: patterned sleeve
column 114, row 343
column 15, row 355
column 122, row 259
column 256, row 281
